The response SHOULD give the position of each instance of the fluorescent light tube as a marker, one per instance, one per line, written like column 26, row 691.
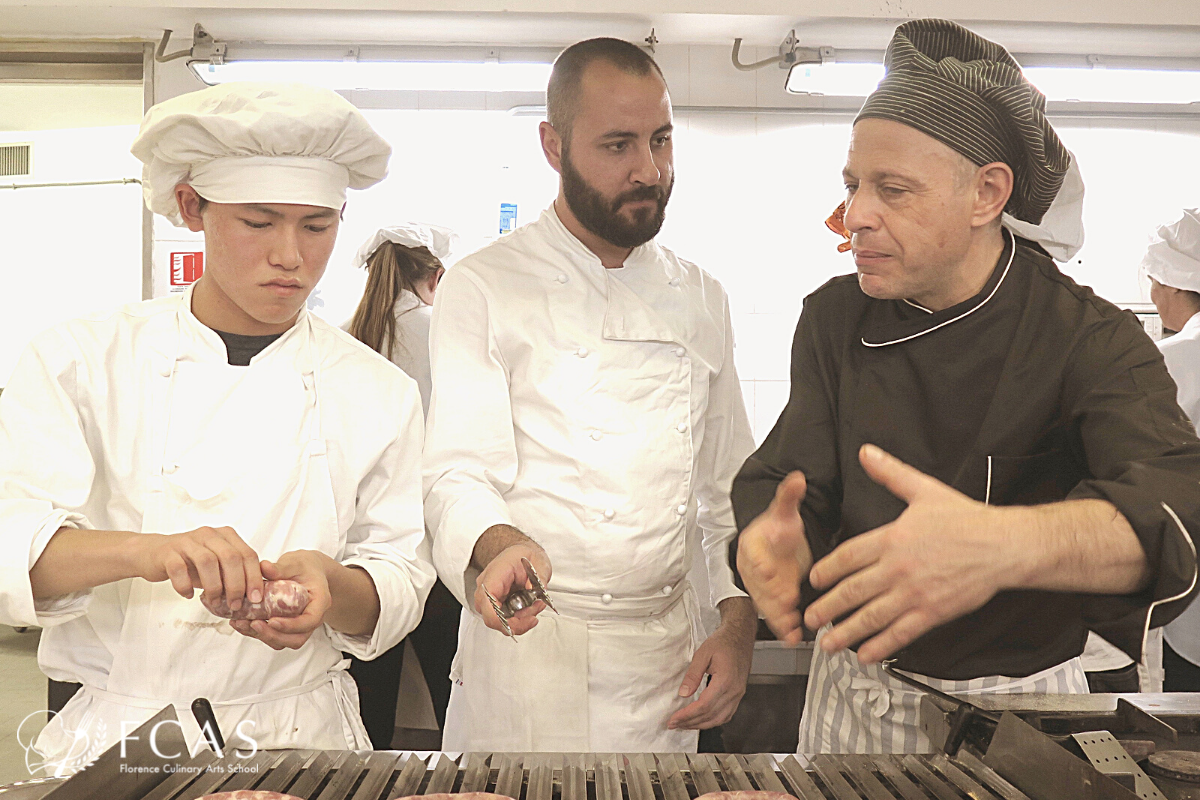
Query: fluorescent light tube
column 431, row 76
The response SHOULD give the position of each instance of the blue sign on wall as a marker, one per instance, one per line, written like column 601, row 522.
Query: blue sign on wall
column 508, row 217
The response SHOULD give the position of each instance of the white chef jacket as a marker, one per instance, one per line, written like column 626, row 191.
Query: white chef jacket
column 410, row 350
column 77, row 420
column 1182, row 354
column 598, row 411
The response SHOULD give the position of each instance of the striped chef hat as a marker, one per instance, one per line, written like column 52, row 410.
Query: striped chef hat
column 969, row 93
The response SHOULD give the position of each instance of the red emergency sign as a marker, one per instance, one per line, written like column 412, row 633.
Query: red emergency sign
column 186, row 268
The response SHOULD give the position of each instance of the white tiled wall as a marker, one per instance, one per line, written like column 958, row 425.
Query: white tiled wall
column 756, row 181
column 68, row 251
column 751, row 196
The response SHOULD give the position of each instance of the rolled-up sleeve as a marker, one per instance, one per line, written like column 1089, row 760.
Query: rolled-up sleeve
column 470, row 447
column 726, row 444
column 46, row 476
column 387, row 538
column 1144, row 457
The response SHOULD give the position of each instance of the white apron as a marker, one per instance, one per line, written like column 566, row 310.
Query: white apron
column 849, row 708
column 602, row 677
column 241, row 447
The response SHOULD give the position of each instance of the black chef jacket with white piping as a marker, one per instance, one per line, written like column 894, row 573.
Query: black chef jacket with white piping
column 1035, row 390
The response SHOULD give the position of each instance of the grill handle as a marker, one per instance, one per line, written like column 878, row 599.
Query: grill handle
column 202, row 710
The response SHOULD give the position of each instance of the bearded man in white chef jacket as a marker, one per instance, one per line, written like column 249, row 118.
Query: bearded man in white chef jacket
column 587, row 415
column 209, row 441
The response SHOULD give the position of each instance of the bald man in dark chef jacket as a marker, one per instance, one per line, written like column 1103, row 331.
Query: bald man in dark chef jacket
column 980, row 460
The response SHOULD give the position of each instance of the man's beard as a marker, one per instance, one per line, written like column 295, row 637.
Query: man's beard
column 602, row 216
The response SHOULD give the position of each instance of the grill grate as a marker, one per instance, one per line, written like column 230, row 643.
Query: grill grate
column 316, row 775
column 16, row 160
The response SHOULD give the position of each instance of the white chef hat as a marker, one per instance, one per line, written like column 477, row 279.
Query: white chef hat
column 439, row 240
column 1060, row 232
column 258, row 143
column 1173, row 258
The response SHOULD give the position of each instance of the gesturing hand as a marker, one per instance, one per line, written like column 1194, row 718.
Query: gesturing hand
column 944, row 557
column 772, row 557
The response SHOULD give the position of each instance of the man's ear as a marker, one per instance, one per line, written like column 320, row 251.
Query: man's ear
column 189, row 207
column 993, row 188
column 551, row 146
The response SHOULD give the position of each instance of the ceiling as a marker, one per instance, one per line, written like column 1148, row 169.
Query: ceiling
column 1165, row 27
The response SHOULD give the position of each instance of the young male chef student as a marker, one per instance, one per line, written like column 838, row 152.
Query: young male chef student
column 587, row 415
column 980, row 460
column 210, row 440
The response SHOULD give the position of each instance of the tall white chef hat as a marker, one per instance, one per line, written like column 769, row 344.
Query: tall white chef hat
column 258, row 143
column 1173, row 258
column 439, row 240
column 1060, row 232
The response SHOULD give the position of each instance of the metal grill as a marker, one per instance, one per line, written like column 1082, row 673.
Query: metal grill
column 318, row 775
column 16, row 160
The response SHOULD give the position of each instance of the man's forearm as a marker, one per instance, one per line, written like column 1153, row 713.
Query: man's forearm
column 355, row 601
column 76, row 560
column 1077, row 546
column 494, row 541
column 738, row 615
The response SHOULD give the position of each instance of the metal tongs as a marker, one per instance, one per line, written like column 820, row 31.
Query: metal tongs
column 520, row 598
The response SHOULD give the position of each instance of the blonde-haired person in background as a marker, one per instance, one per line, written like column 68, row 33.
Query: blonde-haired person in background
column 404, row 265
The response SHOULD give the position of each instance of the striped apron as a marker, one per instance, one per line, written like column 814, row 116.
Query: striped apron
column 849, row 708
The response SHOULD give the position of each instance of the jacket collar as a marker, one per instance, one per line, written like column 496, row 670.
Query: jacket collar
column 628, row 315
column 406, row 302
column 903, row 321
column 199, row 343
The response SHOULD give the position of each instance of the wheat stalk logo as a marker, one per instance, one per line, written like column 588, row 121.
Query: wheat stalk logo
column 81, row 752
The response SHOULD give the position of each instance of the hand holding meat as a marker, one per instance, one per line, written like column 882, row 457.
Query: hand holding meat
column 308, row 569
column 773, row 556
column 944, row 557
column 504, row 575
column 214, row 560
column 279, row 599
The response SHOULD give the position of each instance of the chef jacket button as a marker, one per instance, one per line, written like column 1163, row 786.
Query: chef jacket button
column 674, row 281
column 667, row 590
column 609, row 513
column 561, row 278
column 681, row 427
column 606, row 598
column 681, row 509
column 170, row 469
column 597, row 436
column 679, row 351
column 582, row 352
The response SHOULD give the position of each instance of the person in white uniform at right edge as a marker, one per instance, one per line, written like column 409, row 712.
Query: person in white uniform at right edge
column 587, row 415
column 980, row 460
column 1172, row 262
